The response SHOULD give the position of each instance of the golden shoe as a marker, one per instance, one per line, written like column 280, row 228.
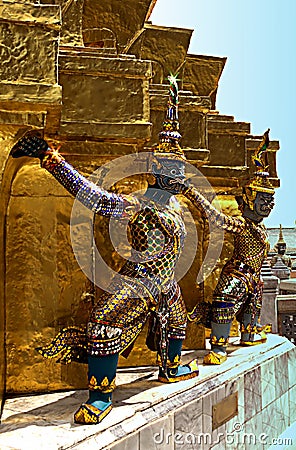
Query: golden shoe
column 250, row 343
column 90, row 415
column 214, row 358
column 262, row 340
column 265, row 328
column 171, row 377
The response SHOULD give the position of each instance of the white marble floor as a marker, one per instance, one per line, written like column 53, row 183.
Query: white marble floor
column 45, row 421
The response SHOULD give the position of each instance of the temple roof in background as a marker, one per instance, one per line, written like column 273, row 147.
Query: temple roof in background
column 289, row 235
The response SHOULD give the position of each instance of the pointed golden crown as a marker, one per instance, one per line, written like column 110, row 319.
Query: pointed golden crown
column 259, row 183
column 169, row 137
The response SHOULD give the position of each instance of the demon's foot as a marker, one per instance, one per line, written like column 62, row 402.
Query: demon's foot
column 180, row 373
column 90, row 414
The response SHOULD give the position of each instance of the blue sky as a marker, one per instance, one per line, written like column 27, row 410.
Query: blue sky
column 258, row 37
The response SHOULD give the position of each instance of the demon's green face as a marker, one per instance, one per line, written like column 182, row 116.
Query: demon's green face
column 169, row 174
column 263, row 204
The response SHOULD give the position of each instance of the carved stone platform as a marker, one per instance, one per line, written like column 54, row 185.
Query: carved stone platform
column 256, row 386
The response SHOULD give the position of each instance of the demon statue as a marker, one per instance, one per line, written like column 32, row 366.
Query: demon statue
column 118, row 317
column 239, row 289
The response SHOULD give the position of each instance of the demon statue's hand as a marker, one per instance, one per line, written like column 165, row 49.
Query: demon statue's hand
column 31, row 145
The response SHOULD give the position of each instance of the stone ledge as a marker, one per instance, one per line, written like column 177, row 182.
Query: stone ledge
column 28, row 93
column 23, row 118
column 44, row 15
column 217, row 126
column 109, row 130
column 187, row 99
column 263, row 377
column 99, row 65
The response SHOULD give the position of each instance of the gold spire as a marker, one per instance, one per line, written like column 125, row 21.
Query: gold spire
column 281, row 239
column 169, row 137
